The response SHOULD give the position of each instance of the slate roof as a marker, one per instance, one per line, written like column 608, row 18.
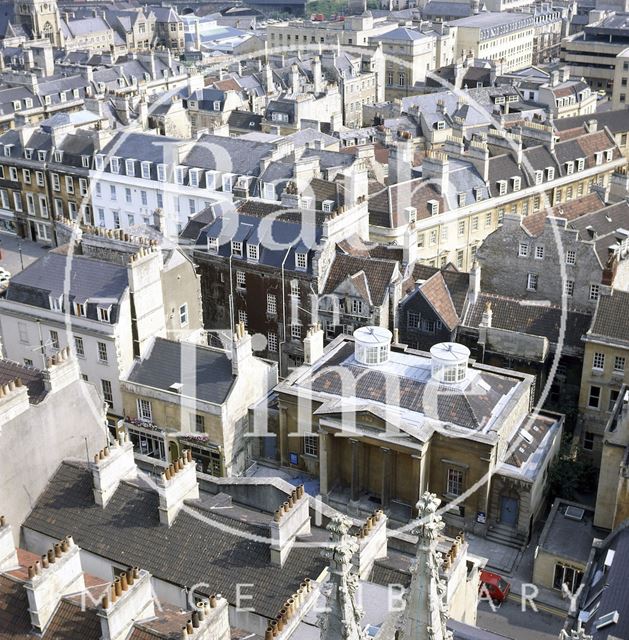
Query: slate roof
column 611, row 319
column 534, row 319
column 617, row 121
column 191, row 551
column 378, row 275
column 470, row 407
column 386, row 205
column 206, row 374
column 245, row 120
column 94, row 281
column 401, row 33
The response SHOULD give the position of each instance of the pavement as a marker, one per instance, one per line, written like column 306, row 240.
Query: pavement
column 10, row 246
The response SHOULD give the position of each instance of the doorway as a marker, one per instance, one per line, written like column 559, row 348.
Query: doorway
column 508, row 511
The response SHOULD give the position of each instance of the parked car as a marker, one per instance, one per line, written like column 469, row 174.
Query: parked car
column 494, row 585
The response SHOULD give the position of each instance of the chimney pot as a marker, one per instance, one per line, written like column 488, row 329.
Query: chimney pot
column 184, row 633
column 278, row 515
column 189, row 627
column 51, row 556
column 64, row 546
column 37, row 568
column 268, row 634
column 136, row 572
column 195, row 619
column 213, row 601
column 44, row 562
column 2, row 521
column 118, row 587
column 130, row 577
column 105, row 601
column 123, row 582
column 31, row 572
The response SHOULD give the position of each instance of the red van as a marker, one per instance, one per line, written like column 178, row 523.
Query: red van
column 493, row 584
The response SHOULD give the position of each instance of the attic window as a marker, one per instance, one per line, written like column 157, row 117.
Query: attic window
column 609, row 155
column 28, row 153
column 569, row 167
column 580, row 164
column 550, row 173
column 80, row 309
column 216, row 105
column 114, row 165
column 180, row 175
column 104, row 314
column 500, row 99
column 100, row 162
column 252, row 251
column 441, row 125
column 517, row 183
column 301, row 260
column 478, row 194
column 130, row 167
column 598, row 157
column 237, row 248
column 145, row 167
column 539, row 176
column 56, row 303
column 41, row 156
column 161, row 172
column 461, row 199
column 327, row 205
column 85, row 162
column 433, row 207
column 502, row 187
column 7, row 150
column 194, row 177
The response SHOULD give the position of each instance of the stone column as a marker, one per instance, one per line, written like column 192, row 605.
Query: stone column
column 323, row 463
column 417, row 479
column 355, row 486
column 387, row 473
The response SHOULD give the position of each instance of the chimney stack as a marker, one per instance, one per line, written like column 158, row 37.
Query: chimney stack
column 317, row 79
column 209, row 621
column 372, row 543
column 59, row 574
column 294, row 78
column 176, row 484
column 436, row 167
column 112, row 465
column 313, row 344
column 292, row 519
column 14, row 400
column 61, row 371
column 8, row 554
column 130, row 600
column 400, row 160
column 474, row 286
column 241, row 349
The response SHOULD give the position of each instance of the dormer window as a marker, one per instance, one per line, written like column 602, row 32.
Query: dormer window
column 301, row 260
column 28, row 153
column 194, row 178
column 56, row 303
column 517, row 183
column 433, row 207
column 104, row 314
column 58, row 156
column 130, row 167
column 212, row 244
column 580, row 164
column 41, row 156
column 48, row 100
column 609, row 155
column 161, row 172
column 252, row 251
column 227, row 182
column 85, row 162
column 569, row 168
column 441, row 125
column 146, row 170
column 180, row 174
column 460, row 197
column 114, row 164
column 17, row 105
column 539, row 176
column 550, row 173
column 7, row 150
column 63, row 96
column 598, row 157
column 216, row 105
column 478, row 194
column 327, row 206
column 80, row 309
column 502, row 187
column 236, row 248
column 100, row 162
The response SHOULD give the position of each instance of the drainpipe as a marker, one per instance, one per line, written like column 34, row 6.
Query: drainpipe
column 283, row 340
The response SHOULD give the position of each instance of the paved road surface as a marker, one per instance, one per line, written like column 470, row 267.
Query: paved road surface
column 10, row 245
column 510, row 621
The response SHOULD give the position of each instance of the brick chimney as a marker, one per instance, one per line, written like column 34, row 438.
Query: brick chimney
column 8, row 554
column 176, row 484
column 241, row 349
column 129, row 600
column 58, row 574
column 313, row 344
column 61, row 371
column 209, row 621
column 112, row 465
column 13, row 400
column 292, row 519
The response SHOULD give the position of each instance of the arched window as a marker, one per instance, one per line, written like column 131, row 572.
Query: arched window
column 47, row 31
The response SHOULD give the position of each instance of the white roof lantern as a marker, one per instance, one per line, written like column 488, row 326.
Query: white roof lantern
column 449, row 362
column 372, row 345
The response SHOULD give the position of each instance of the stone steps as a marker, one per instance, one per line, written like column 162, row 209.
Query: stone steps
column 506, row 536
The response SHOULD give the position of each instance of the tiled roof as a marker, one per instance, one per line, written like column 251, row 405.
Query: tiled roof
column 611, row 319
column 191, row 551
column 616, row 121
column 534, row 222
column 534, row 319
column 377, row 275
column 31, row 378
column 456, row 281
column 435, row 291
